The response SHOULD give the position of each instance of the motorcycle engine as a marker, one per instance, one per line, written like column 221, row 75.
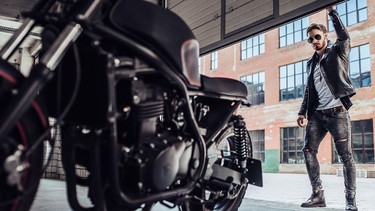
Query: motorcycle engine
column 158, row 157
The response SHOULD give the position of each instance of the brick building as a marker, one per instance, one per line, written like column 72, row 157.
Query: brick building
column 272, row 65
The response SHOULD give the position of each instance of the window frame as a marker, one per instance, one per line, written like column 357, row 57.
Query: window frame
column 291, row 31
column 297, row 151
column 258, row 143
column 255, row 44
column 298, row 89
column 252, row 89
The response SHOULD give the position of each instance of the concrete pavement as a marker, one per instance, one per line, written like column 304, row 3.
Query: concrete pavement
column 281, row 192
column 295, row 188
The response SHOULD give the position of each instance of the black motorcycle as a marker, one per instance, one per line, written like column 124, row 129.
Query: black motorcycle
column 121, row 80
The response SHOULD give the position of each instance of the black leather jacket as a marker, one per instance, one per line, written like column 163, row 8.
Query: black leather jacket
column 334, row 66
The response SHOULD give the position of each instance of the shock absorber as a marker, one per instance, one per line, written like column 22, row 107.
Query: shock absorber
column 241, row 142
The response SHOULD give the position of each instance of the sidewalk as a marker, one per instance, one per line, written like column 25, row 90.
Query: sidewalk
column 295, row 189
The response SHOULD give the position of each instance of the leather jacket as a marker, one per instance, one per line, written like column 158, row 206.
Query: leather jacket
column 334, row 66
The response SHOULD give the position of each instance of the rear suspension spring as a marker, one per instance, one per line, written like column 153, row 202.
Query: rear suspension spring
column 241, row 142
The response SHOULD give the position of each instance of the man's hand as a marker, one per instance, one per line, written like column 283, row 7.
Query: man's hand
column 301, row 121
column 329, row 9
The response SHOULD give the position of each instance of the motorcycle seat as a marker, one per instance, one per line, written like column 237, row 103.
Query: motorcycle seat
column 223, row 86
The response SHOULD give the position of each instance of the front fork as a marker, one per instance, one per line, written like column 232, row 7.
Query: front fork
column 43, row 72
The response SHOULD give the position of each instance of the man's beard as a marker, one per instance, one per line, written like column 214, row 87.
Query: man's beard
column 318, row 48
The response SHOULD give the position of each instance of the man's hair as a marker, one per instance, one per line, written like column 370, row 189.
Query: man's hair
column 318, row 26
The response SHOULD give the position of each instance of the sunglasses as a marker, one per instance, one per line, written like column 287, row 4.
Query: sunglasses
column 316, row 37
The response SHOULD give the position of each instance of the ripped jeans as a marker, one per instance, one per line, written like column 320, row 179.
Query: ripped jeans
column 338, row 124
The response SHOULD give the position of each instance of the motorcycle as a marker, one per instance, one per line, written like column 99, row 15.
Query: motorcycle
column 121, row 80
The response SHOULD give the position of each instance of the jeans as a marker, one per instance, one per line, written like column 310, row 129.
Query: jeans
column 338, row 124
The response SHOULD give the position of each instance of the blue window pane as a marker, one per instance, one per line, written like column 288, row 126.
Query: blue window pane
column 282, row 31
column 283, row 95
column 283, row 72
column 256, row 78
column 298, row 67
column 261, row 38
column 366, row 79
column 354, row 68
column 243, row 55
column 291, row 81
column 352, row 5
column 362, row 15
column 299, row 80
column 354, row 54
column 249, row 52
column 289, row 28
column 290, row 69
column 341, row 8
column 282, row 42
column 297, row 37
column 261, row 77
column 344, row 20
column 305, row 22
column 256, row 50
column 283, row 83
column 289, row 39
column 362, row 4
column 304, row 34
column 365, row 65
column 249, row 42
column 330, row 26
column 261, row 48
column 352, row 18
column 255, row 40
column 365, row 51
column 297, row 25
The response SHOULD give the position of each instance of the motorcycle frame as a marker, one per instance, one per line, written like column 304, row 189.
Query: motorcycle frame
column 44, row 72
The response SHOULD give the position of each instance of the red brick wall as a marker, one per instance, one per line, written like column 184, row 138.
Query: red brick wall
column 274, row 114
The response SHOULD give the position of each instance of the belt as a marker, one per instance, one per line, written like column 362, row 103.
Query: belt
column 333, row 110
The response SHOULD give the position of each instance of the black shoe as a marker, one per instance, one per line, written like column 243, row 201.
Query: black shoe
column 350, row 204
column 316, row 200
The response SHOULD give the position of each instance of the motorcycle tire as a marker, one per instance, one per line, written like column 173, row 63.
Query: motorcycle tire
column 19, row 197
column 220, row 203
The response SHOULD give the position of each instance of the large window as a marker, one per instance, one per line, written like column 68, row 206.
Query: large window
column 252, row 46
column 293, row 79
column 257, row 138
column 293, row 32
column 214, row 60
column 292, row 144
column 351, row 12
column 255, row 87
column 363, row 142
column 360, row 66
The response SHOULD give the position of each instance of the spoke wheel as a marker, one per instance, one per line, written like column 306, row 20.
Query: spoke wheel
column 220, row 201
column 19, row 196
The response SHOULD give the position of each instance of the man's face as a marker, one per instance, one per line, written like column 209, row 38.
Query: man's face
column 317, row 39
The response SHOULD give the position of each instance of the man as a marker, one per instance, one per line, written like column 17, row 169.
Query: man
column 325, row 104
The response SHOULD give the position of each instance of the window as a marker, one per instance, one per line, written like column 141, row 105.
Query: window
column 293, row 79
column 253, row 46
column 363, row 142
column 255, row 87
column 292, row 144
column 214, row 60
column 257, row 138
column 360, row 66
column 351, row 12
column 293, row 32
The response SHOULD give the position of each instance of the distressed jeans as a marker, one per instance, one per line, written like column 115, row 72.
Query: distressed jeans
column 338, row 124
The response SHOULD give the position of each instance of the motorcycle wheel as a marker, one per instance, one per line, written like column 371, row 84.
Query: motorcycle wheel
column 220, row 202
column 30, row 126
